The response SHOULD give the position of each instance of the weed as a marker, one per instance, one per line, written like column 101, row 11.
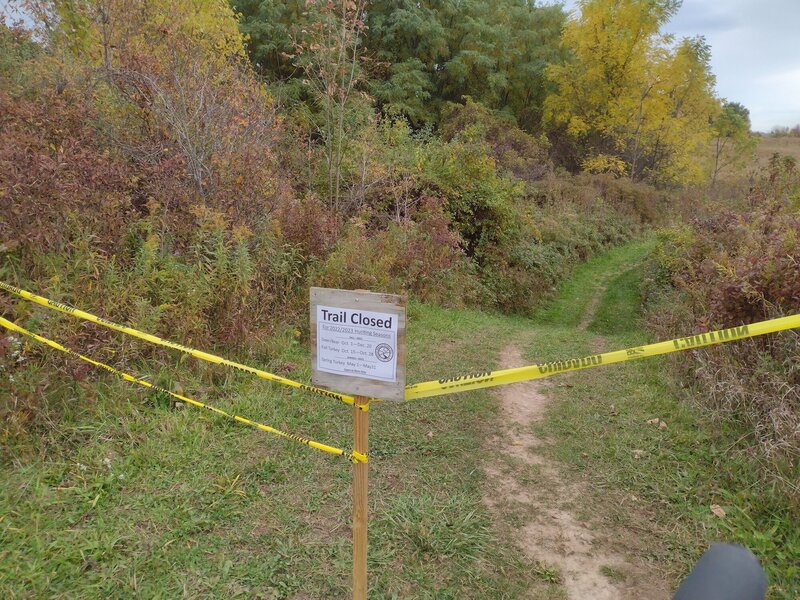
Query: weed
column 547, row 573
column 613, row 573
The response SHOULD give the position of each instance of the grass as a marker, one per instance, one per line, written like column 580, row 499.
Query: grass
column 618, row 311
column 125, row 495
column 769, row 145
column 655, row 484
column 613, row 574
column 576, row 294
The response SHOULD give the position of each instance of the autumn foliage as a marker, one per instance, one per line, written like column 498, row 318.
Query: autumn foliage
column 739, row 267
column 161, row 168
column 149, row 172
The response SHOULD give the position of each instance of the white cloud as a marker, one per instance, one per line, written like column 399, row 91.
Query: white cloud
column 755, row 53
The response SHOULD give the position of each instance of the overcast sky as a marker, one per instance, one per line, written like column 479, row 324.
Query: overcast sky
column 755, row 47
column 755, row 53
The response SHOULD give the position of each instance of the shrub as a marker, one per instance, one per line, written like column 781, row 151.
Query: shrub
column 422, row 257
column 478, row 199
column 732, row 268
column 515, row 151
column 639, row 202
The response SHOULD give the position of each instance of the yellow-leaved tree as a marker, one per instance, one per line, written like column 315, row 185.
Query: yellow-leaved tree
column 633, row 102
column 106, row 30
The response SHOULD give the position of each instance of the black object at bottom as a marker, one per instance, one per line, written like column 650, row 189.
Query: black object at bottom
column 724, row 572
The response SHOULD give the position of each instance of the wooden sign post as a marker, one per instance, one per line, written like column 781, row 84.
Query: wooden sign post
column 360, row 478
column 358, row 347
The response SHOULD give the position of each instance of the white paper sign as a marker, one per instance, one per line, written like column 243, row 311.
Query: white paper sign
column 358, row 343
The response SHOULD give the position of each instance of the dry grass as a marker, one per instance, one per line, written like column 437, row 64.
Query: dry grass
column 747, row 386
column 769, row 145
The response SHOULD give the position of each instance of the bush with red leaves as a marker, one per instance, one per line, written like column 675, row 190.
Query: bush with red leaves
column 734, row 268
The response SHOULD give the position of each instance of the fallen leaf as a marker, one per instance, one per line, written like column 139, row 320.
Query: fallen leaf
column 81, row 371
column 718, row 510
column 638, row 453
column 653, row 421
column 662, row 425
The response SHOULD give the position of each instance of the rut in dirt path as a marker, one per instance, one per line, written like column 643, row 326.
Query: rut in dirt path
column 593, row 564
column 591, row 309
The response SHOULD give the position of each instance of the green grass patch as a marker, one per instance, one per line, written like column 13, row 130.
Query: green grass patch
column 620, row 308
column 576, row 294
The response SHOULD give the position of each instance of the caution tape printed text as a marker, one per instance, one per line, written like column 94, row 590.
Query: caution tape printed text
column 486, row 379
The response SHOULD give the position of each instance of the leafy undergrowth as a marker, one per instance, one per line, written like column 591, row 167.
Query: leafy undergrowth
column 740, row 267
column 653, row 482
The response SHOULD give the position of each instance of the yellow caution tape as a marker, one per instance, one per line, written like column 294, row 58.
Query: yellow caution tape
column 212, row 358
column 485, row 379
column 353, row 457
column 459, row 383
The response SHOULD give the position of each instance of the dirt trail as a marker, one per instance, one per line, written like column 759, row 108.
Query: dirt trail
column 552, row 524
column 591, row 309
